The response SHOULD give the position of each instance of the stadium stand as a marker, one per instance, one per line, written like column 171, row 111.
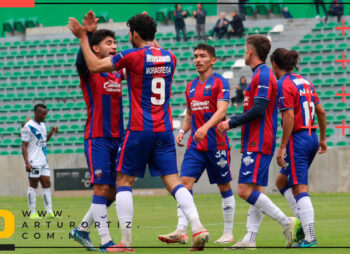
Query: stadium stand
column 42, row 69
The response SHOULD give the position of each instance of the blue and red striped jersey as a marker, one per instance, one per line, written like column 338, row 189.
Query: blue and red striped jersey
column 259, row 135
column 149, row 73
column 103, row 98
column 297, row 93
column 202, row 100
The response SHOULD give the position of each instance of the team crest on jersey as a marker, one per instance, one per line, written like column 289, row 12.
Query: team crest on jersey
column 111, row 86
column 98, row 173
column 222, row 163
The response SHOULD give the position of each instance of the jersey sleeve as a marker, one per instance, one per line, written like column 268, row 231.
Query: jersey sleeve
column 187, row 95
column 122, row 59
column 224, row 90
column 285, row 96
column 264, row 85
column 25, row 134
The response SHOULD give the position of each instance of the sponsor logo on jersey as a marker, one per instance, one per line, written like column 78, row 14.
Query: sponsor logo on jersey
column 158, row 70
column 158, row 59
column 98, row 173
column 260, row 86
column 248, row 160
column 111, row 86
column 222, row 163
column 300, row 81
column 199, row 105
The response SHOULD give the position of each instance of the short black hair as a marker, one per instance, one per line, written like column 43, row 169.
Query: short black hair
column 100, row 35
column 261, row 45
column 285, row 59
column 206, row 47
column 40, row 105
column 144, row 25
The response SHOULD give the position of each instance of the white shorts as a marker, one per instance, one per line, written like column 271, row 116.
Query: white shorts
column 39, row 171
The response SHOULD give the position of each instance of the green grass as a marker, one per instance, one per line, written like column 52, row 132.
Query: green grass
column 157, row 215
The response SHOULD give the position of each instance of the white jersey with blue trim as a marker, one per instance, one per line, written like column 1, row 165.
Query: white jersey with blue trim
column 36, row 135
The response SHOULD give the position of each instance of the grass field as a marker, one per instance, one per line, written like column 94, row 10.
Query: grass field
column 157, row 215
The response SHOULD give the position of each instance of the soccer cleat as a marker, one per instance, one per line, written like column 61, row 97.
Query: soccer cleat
column 242, row 245
column 225, row 238
column 83, row 238
column 52, row 216
column 305, row 244
column 174, row 237
column 103, row 248
column 198, row 240
column 119, row 248
column 290, row 231
column 34, row 216
column 299, row 234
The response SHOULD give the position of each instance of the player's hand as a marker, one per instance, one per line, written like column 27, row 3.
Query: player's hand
column 222, row 127
column 200, row 134
column 322, row 147
column 29, row 167
column 90, row 22
column 54, row 129
column 194, row 13
column 179, row 139
column 280, row 157
column 78, row 30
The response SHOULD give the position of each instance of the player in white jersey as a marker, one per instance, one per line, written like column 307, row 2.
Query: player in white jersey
column 34, row 137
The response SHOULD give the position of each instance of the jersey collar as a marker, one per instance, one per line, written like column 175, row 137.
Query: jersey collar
column 256, row 67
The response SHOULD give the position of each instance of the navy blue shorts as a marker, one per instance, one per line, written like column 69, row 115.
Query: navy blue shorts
column 300, row 152
column 217, row 164
column 139, row 148
column 255, row 168
column 101, row 155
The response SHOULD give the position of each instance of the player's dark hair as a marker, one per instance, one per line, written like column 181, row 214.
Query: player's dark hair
column 206, row 47
column 144, row 25
column 261, row 45
column 100, row 35
column 285, row 59
column 40, row 105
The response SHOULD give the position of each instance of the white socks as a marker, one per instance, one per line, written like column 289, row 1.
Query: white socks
column 254, row 219
column 228, row 209
column 264, row 204
column 186, row 203
column 125, row 211
column 46, row 194
column 288, row 194
column 31, row 195
column 306, row 215
column 99, row 213
column 182, row 222
column 86, row 222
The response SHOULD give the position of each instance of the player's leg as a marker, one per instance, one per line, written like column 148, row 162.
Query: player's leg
column 254, row 171
column 46, row 194
column 180, row 234
column 286, row 191
column 31, row 195
column 304, row 148
column 218, row 170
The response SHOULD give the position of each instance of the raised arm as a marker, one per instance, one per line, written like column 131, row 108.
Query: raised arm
column 93, row 63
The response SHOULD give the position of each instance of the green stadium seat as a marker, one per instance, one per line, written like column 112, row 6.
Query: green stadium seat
column 250, row 9
column 8, row 26
column 306, row 49
column 330, row 26
column 329, row 132
column 316, row 71
column 306, row 60
column 4, row 152
column 57, row 151
column 180, row 101
column 67, row 117
column 237, row 136
column 328, row 106
column 341, row 82
column 328, row 82
column 15, row 152
column 317, row 48
column 340, row 106
column 74, row 128
column 330, row 119
column 328, row 70
column 341, row 47
column 318, row 26
column 177, row 112
column 340, row 70
column 186, row 55
column 32, row 22
column 20, row 25
column 329, row 59
column 318, row 37
column 341, row 143
column 339, row 119
column 162, row 14
column 328, row 94
column 237, row 146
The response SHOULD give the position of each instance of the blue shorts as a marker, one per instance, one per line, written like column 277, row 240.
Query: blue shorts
column 217, row 164
column 300, row 152
column 101, row 155
column 139, row 148
column 255, row 168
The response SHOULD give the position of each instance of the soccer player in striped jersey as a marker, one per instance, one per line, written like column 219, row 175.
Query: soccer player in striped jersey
column 149, row 136
column 207, row 101
column 104, row 130
column 298, row 103
column 259, row 125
